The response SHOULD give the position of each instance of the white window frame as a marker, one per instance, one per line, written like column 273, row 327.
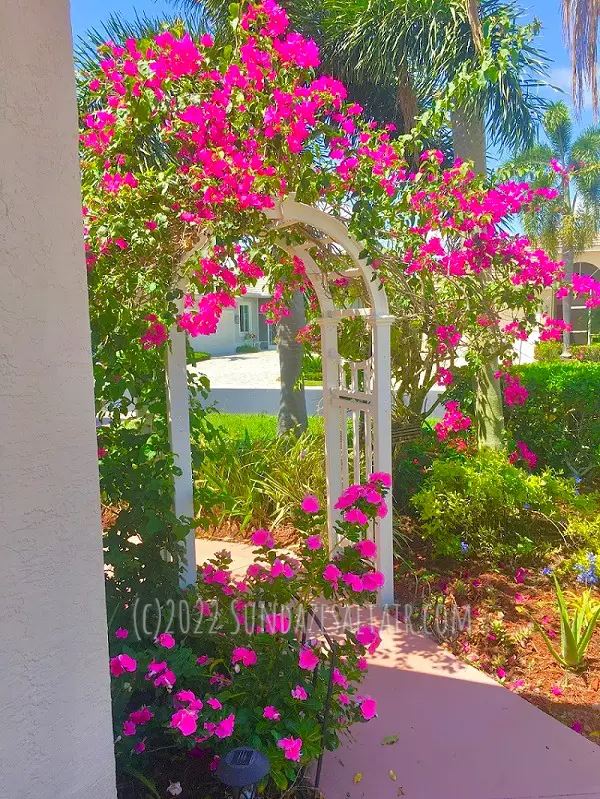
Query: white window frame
column 245, row 308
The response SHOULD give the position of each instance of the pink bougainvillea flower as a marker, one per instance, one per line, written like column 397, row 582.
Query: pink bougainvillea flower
column 556, row 690
column 308, row 660
column 500, row 673
column 280, row 568
column 362, row 664
column 156, row 668
column 356, row 516
column 314, row 542
column 128, row 728
column 246, row 656
column 339, row 679
column 122, row 663
column 121, row 633
column 186, row 721
column 271, row 713
column 354, row 581
column 202, row 660
column 577, row 726
column 367, row 548
column 166, row 640
column 521, row 574
column 140, row 747
column 368, row 708
column 299, row 693
column 292, row 748
column 225, row 727
column 262, row 538
column 310, row 504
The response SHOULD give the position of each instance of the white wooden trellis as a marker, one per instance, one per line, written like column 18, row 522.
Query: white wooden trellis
column 359, row 393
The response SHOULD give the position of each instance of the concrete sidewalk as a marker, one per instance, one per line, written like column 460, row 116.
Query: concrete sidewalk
column 461, row 735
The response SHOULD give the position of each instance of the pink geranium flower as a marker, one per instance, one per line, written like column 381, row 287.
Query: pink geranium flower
column 167, row 678
column 308, row 660
column 381, row 477
column 224, row 728
column 166, row 640
column 368, row 708
column 246, row 656
column 128, row 728
column 271, row 713
column 314, row 542
column 310, row 504
column 277, row 623
column 262, row 538
column 356, row 516
column 292, row 747
column 141, row 716
column 122, row 663
column 186, row 721
column 367, row 548
column 299, row 693
column 121, row 633
column 332, row 574
column 214, row 703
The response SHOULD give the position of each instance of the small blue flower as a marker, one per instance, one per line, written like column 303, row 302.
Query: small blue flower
column 587, row 574
column 464, row 547
column 527, row 506
column 547, row 571
column 578, row 480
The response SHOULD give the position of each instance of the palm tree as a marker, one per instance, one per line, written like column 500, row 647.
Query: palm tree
column 581, row 21
column 572, row 167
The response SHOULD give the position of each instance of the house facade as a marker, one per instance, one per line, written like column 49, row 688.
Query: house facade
column 245, row 324
column 585, row 321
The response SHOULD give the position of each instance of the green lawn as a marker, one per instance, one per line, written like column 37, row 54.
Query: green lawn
column 258, row 425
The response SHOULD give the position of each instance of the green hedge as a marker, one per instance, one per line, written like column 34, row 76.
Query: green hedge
column 561, row 419
column 247, row 348
column 546, row 351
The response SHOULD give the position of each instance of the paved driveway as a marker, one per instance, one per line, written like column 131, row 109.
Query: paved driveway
column 256, row 370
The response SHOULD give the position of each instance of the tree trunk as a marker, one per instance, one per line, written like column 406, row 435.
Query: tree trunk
column 468, row 138
column 292, row 404
column 566, row 301
column 489, row 414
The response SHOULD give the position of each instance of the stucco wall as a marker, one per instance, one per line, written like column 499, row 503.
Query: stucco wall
column 55, row 729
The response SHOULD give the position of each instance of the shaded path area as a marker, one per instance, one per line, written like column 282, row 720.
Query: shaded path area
column 460, row 734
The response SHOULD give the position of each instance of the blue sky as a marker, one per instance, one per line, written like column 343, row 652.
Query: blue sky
column 86, row 14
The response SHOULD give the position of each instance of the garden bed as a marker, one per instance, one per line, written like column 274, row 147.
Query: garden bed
column 503, row 640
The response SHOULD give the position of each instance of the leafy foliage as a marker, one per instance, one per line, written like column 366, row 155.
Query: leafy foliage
column 561, row 420
column 495, row 507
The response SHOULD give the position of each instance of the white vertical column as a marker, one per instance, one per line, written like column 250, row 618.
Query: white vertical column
column 332, row 421
column 178, row 403
column 56, row 736
column 382, row 447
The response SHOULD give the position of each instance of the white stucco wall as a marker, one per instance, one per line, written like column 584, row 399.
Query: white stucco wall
column 55, row 728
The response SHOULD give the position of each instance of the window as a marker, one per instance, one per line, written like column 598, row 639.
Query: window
column 585, row 321
column 244, row 318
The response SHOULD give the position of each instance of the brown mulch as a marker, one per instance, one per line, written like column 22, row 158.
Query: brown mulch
column 286, row 535
column 503, row 640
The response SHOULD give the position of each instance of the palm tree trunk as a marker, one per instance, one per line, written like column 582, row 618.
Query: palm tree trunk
column 569, row 257
column 468, row 137
column 292, row 403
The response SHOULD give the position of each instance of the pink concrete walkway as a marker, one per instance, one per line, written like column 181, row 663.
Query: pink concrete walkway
column 461, row 734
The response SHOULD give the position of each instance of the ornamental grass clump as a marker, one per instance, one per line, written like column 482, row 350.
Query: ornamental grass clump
column 242, row 663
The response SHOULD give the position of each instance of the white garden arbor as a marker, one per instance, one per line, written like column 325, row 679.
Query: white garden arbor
column 356, row 395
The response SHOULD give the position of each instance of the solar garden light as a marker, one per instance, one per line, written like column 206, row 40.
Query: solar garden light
column 241, row 770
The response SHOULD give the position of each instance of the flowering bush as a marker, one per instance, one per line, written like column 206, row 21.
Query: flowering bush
column 250, row 667
column 494, row 506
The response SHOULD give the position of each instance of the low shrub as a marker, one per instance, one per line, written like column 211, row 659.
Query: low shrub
column 312, row 367
column 259, row 477
column 247, row 349
column 492, row 508
column 560, row 421
column 197, row 357
column 233, row 666
column 587, row 353
column 547, row 351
